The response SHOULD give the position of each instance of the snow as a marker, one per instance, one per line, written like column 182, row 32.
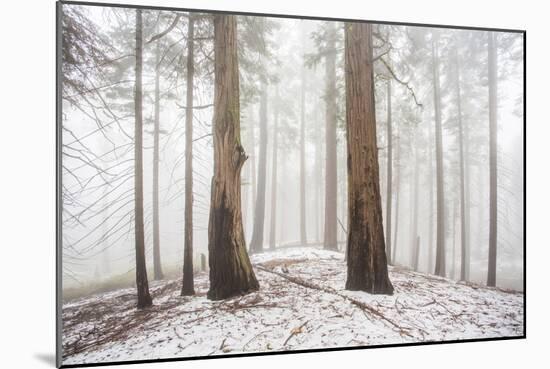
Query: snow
column 284, row 315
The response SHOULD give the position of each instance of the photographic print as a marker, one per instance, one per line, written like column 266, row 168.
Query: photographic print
column 239, row 184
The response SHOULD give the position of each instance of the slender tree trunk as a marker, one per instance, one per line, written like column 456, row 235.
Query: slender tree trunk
column 397, row 192
column 414, row 233
column 157, row 266
column 467, row 203
column 257, row 242
column 231, row 272
column 143, row 298
column 318, row 182
column 440, row 239
column 273, row 218
column 463, row 207
column 430, row 200
column 367, row 264
column 331, row 210
column 389, row 175
column 492, row 265
column 188, row 288
column 252, row 168
column 303, row 236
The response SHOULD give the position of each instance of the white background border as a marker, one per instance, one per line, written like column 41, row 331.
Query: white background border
column 27, row 181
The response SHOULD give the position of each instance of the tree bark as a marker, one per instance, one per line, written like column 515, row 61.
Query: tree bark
column 331, row 223
column 273, row 218
column 440, row 231
column 157, row 266
column 389, row 175
column 492, row 264
column 231, row 272
column 188, row 284
column 366, row 261
column 257, row 242
column 143, row 297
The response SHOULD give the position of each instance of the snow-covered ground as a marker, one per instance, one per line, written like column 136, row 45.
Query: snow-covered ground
column 301, row 304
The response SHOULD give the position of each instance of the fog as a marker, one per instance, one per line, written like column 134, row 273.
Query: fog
column 287, row 64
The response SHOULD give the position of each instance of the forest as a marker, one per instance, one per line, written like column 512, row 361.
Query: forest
column 239, row 183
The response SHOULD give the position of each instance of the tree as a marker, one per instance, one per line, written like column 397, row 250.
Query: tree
column 366, row 254
column 188, row 288
column 331, row 210
column 231, row 272
column 157, row 266
column 493, row 199
column 389, row 163
column 440, row 201
column 303, row 235
column 144, row 299
column 464, row 207
column 273, row 218
column 256, row 244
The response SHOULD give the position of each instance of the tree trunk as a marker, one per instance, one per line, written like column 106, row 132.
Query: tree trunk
column 257, row 242
column 303, row 236
column 366, row 261
column 389, row 174
column 319, row 218
column 188, row 287
column 430, row 201
column 440, row 239
column 492, row 265
column 273, row 218
column 397, row 192
column 464, row 261
column 231, row 272
column 414, row 229
column 252, row 169
column 331, row 223
column 157, row 266
column 144, row 299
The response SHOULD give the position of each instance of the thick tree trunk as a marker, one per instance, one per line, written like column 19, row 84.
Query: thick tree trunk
column 331, row 223
column 143, row 298
column 389, row 175
column 257, row 242
column 188, row 288
column 440, row 239
column 366, row 261
column 464, row 208
column 273, row 218
column 231, row 272
column 157, row 266
column 492, row 265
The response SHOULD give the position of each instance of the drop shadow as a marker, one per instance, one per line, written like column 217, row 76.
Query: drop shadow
column 46, row 358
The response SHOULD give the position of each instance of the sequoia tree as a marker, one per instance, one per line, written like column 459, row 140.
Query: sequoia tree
column 144, row 299
column 231, row 272
column 366, row 254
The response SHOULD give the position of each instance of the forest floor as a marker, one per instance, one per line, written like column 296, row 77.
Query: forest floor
column 301, row 304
